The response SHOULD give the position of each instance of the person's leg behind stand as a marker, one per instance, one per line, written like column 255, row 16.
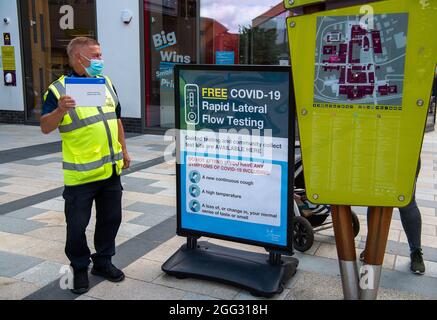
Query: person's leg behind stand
column 412, row 224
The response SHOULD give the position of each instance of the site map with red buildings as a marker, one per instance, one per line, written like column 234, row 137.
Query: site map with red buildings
column 360, row 63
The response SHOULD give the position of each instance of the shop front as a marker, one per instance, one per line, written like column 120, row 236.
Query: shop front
column 140, row 53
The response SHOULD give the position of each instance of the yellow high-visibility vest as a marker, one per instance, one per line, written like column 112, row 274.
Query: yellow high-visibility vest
column 90, row 145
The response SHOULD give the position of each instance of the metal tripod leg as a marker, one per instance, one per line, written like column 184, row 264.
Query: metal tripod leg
column 379, row 227
column 344, row 239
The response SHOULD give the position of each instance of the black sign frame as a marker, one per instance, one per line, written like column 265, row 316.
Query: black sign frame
column 189, row 233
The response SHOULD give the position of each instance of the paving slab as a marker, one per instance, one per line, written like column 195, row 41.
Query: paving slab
column 14, row 264
column 18, row 226
column 143, row 189
column 41, row 274
column 244, row 295
column 86, row 298
column 131, row 289
column 149, row 219
column 26, row 213
column 53, row 251
column 50, row 232
column 315, row 286
column 50, row 218
column 208, row 288
column 144, row 270
column 137, row 182
column 15, row 243
column 13, row 289
column 53, row 205
column 197, row 297
column 130, row 230
column 142, row 207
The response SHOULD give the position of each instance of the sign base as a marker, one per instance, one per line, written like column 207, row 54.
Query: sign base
column 260, row 275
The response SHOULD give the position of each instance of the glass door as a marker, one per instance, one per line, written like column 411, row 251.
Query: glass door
column 47, row 27
column 171, row 33
column 206, row 32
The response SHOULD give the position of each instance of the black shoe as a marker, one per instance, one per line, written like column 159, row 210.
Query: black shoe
column 80, row 281
column 110, row 272
column 417, row 264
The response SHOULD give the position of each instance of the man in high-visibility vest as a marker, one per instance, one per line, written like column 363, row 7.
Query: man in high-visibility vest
column 94, row 154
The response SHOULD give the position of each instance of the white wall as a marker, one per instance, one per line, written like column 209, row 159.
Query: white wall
column 121, row 50
column 11, row 98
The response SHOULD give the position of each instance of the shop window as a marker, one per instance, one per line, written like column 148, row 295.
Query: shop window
column 173, row 33
column 243, row 32
column 206, row 32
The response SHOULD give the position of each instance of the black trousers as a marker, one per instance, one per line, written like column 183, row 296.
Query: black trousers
column 107, row 195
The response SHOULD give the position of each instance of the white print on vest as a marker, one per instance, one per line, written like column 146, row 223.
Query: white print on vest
column 367, row 22
column 367, row 278
column 67, row 21
column 67, row 280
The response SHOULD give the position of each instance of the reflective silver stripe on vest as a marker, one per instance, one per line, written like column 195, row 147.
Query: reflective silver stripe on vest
column 61, row 89
column 112, row 92
column 74, row 116
column 92, row 165
column 108, row 133
column 78, row 124
column 72, row 113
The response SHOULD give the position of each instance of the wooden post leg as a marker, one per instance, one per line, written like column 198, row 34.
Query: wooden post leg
column 345, row 241
column 377, row 236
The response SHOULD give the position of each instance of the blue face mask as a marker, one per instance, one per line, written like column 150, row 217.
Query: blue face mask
column 96, row 67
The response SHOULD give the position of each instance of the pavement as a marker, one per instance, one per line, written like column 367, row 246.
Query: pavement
column 32, row 232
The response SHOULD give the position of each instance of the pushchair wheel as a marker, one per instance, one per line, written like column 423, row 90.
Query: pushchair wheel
column 355, row 224
column 303, row 234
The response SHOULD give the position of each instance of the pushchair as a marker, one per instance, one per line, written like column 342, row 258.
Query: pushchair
column 309, row 218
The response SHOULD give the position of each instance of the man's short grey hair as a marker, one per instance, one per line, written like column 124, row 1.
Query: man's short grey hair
column 78, row 43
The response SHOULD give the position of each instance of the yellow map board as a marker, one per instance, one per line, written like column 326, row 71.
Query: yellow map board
column 362, row 90
column 298, row 3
